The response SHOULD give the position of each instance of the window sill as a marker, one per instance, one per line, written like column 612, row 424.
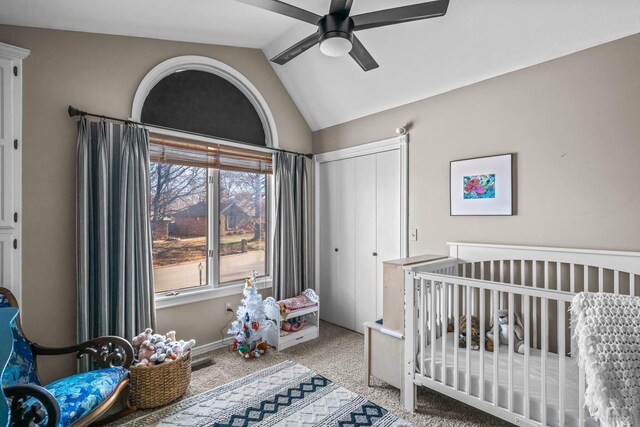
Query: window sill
column 191, row 296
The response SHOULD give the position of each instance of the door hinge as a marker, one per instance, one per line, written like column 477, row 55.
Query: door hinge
column 15, row 144
column 15, row 217
column 210, row 253
column 15, row 70
column 15, row 243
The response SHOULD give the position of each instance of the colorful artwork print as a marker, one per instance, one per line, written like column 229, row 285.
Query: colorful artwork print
column 480, row 186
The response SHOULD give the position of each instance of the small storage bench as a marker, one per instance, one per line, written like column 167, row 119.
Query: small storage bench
column 280, row 339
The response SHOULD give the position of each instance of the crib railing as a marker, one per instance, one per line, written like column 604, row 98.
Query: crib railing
column 441, row 297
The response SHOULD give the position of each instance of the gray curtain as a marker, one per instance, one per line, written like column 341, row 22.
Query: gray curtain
column 291, row 248
column 115, row 271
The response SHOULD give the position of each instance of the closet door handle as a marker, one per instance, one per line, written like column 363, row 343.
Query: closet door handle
column 336, row 249
column 375, row 254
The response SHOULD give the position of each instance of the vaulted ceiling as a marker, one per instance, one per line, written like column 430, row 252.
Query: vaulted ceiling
column 476, row 40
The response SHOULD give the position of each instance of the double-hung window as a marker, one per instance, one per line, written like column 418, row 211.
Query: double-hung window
column 209, row 214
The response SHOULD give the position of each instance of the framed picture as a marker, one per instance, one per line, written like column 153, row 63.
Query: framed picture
column 482, row 186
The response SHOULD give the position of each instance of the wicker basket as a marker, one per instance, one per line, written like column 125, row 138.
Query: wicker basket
column 157, row 385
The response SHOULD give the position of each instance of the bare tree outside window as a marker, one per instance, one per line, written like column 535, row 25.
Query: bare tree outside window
column 180, row 220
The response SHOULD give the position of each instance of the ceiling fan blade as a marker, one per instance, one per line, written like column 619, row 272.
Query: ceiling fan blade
column 296, row 49
column 399, row 15
column 362, row 56
column 284, row 9
column 342, row 7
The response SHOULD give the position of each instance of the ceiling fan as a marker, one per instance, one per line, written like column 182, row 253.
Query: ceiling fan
column 336, row 29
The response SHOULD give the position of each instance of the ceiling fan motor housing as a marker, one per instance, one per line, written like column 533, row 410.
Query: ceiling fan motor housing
column 335, row 26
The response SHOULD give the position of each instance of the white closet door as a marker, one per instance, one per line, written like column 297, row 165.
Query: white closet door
column 345, row 223
column 7, row 152
column 365, row 237
column 328, row 266
column 6, row 260
column 388, row 215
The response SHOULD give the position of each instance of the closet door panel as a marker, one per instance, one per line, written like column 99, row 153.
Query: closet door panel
column 7, row 151
column 365, row 237
column 327, row 269
column 346, row 243
column 388, row 214
column 6, row 260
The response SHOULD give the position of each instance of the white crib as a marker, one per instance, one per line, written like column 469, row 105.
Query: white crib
column 541, row 387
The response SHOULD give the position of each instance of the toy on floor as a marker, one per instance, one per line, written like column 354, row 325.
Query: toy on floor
column 250, row 323
column 503, row 331
column 293, row 325
column 462, row 330
column 153, row 349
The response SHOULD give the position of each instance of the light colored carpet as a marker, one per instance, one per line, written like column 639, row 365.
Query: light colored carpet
column 339, row 356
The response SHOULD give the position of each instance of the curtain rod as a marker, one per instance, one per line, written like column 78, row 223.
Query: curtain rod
column 73, row 112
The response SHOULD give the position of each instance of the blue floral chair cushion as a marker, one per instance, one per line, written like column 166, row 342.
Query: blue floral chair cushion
column 21, row 368
column 79, row 394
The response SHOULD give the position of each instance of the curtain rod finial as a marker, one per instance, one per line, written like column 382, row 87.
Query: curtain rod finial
column 73, row 111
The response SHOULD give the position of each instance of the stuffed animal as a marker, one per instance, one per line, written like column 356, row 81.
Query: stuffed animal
column 462, row 329
column 146, row 351
column 503, row 331
column 142, row 337
column 171, row 335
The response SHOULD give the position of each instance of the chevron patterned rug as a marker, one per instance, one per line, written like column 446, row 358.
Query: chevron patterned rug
column 287, row 394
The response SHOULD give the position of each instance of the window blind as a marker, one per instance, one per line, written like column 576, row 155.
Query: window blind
column 182, row 151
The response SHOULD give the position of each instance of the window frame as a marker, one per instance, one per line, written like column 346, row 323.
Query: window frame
column 213, row 289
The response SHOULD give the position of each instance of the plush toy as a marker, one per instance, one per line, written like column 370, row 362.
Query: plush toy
column 462, row 330
column 503, row 331
column 144, row 336
column 146, row 351
column 171, row 335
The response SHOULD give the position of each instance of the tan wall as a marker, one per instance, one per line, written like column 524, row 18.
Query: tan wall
column 99, row 73
column 574, row 124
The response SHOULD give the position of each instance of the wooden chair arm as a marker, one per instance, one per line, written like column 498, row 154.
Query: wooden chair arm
column 32, row 414
column 106, row 352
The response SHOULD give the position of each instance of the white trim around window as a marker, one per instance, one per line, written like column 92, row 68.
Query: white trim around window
column 189, row 296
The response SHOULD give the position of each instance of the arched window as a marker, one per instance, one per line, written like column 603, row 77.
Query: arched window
column 202, row 95
column 209, row 222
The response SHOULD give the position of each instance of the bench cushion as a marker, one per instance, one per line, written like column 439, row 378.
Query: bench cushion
column 79, row 394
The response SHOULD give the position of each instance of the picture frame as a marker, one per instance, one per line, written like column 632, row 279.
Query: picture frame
column 482, row 186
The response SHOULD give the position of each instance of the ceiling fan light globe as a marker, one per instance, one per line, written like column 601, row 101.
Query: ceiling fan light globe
column 336, row 46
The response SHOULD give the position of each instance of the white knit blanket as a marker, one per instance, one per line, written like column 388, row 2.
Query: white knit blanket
column 607, row 334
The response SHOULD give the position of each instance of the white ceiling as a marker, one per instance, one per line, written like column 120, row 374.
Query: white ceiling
column 476, row 40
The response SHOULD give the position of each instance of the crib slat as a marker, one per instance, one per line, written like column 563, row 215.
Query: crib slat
column 546, row 274
column 561, row 361
column 572, row 278
column 534, row 283
column 496, row 348
column 616, row 282
column 423, row 324
column 432, row 317
column 558, row 276
column 544, row 307
column 632, row 285
column 581, row 390
column 482, row 343
column 527, row 348
column 468, row 346
column 444, row 322
column 456, row 334
column 600, row 279
column 493, row 271
column 511, row 349
column 586, row 279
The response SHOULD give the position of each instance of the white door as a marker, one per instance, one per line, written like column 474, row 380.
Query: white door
column 345, row 244
column 388, row 209
column 6, row 260
column 7, row 150
column 365, row 241
column 327, row 268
